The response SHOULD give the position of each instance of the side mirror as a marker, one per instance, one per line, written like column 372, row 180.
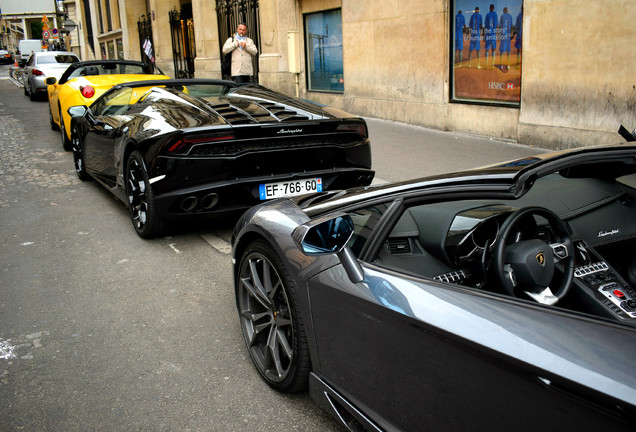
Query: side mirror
column 324, row 236
column 50, row 81
column 77, row 110
column 330, row 236
column 83, row 111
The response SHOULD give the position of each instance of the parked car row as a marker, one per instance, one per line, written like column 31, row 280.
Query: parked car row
column 177, row 149
column 504, row 295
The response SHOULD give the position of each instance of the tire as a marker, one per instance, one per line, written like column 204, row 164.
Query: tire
column 32, row 95
column 66, row 143
column 24, row 87
column 78, row 153
column 141, row 205
column 54, row 125
column 272, row 329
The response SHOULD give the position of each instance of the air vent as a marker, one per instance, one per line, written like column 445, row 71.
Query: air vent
column 399, row 246
column 458, row 276
column 269, row 112
column 545, row 234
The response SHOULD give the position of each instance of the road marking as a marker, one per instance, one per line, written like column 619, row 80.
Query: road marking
column 217, row 243
column 172, row 246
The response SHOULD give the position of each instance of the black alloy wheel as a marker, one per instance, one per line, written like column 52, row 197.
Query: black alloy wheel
column 78, row 153
column 141, row 204
column 54, row 125
column 66, row 143
column 272, row 329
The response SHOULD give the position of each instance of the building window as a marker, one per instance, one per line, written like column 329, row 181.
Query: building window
column 103, row 47
column 486, row 52
column 323, row 45
column 111, row 50
column 120, row 49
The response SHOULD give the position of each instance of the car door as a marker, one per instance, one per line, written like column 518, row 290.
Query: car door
column 100, row 139
column 415, row 353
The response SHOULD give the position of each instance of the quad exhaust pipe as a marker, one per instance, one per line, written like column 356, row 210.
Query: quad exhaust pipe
column 209, row 201
column 190, row 203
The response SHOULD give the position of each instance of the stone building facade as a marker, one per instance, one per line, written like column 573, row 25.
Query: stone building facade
column 573, row 84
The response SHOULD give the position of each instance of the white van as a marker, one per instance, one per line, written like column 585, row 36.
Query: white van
column 27, row 46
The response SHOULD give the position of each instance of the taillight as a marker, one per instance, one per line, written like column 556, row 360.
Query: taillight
column 87, row 91
column 37, row 72
column 180, row 144
column 359, row 128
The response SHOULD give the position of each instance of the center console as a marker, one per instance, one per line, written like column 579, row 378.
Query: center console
column 602, row 289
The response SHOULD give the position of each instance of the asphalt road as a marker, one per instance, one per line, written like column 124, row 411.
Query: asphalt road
column 103, row 331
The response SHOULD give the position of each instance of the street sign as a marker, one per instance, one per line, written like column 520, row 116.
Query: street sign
column 46, row 34
column 44, row 18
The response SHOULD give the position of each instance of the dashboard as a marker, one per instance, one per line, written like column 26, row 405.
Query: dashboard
column 453, row 241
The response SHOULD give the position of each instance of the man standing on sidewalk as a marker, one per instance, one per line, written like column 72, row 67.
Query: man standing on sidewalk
column 242, row 49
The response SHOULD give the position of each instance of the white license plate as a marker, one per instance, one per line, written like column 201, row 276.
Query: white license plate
column 289, row 188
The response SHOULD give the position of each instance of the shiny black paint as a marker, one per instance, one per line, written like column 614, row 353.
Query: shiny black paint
column 272, row 137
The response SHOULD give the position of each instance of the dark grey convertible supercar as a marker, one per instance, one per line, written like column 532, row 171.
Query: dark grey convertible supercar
column 502, row 298
column 173, row 149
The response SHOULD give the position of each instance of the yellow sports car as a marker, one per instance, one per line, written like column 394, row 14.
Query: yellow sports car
column 84, row 82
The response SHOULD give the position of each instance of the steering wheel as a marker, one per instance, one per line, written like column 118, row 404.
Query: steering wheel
column 528, row 265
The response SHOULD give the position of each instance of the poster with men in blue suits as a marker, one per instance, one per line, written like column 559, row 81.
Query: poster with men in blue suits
column 487, row 50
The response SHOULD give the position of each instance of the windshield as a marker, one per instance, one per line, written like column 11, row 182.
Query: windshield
column 59, row 58
column 107, row 69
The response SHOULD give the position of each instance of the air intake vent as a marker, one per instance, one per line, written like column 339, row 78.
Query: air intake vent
column 230, row 114
column 399, row 246
column 261, row 112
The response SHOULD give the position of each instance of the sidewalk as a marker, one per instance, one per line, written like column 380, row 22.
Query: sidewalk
column 401, row 151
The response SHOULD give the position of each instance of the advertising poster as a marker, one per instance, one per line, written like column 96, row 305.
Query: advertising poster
column 487, row 38
column 323, row 31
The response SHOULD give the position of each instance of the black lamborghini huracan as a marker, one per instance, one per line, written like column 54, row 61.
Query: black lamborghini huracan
column 173, row 149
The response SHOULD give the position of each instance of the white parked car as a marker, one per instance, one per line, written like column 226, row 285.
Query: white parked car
column 42, row 65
